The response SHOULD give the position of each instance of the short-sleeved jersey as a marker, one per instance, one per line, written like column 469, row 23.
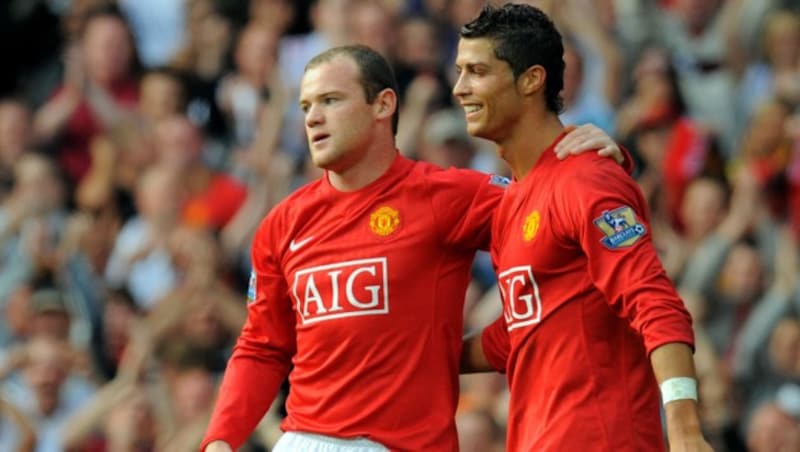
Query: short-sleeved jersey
column 585, row 299
column 362, row 293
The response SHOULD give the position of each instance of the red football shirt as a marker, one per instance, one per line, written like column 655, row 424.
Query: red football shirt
column 585, row 299
column 362, row 292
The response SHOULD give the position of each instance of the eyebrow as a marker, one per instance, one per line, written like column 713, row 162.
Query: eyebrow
column 321, row 95
column 473, row 66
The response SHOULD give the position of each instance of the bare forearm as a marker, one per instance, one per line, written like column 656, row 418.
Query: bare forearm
column 188, row 437
column 239, row 230
column 232, row 313
column 162, row 411
column 270, row 126
column 672, row 361
column 473, row 359
column 81, row 424
column 594, row 36
column 24, row 426
column 105, row 107
column 52, row 118
column 731, row 16
column 613, row 69
column 96, row 188
column 410, row 126
column 421, row 91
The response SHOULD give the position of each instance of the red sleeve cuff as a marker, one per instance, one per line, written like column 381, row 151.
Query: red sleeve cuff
column 495, row 344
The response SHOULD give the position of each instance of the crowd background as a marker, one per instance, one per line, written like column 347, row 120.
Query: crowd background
column 142, row 141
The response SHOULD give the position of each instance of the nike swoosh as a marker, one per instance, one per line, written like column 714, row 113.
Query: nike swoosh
column 294, row 246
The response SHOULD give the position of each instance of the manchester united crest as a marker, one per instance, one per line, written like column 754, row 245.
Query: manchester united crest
column 531, row 225
column 384, row 221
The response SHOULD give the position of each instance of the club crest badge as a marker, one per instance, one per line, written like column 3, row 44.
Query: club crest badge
column 621, row 228
column 531, row 225
column 384, row 221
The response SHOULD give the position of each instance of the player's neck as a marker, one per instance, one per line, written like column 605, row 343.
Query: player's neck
column 367, row 169
column 522, row 148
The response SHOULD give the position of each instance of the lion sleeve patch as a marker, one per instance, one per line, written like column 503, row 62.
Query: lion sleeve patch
column 621, row 228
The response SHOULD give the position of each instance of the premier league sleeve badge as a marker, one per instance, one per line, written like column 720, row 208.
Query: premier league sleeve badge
column 621, row 228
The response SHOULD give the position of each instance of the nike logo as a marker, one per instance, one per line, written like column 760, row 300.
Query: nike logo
column 294, row 246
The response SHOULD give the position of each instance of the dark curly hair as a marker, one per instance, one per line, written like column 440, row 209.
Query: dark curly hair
column 523, row 36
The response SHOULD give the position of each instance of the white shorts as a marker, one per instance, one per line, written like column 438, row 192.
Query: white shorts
column 311, row 442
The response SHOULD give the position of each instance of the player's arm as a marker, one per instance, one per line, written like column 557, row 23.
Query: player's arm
column 473, row 359
column 589, row 137
column 257, row 368
column 673, row 366
column 611, row 223
column 463, row 203
column 261, row 358
column 485, row 350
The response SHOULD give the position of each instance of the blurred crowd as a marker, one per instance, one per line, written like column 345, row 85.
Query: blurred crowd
column 142, row 141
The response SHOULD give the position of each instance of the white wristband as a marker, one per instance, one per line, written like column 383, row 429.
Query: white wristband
column 678, row 388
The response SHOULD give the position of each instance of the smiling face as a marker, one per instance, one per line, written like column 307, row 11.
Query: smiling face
column 338, row 119
column 487, row 90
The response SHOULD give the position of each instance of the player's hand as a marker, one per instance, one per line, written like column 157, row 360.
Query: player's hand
column 218, row 446
column 585, row 138
column 683, row 427
column 689, row 443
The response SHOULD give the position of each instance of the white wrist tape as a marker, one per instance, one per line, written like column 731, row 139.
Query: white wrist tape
column 678, row 388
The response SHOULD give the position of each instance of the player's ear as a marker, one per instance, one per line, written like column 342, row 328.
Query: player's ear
column 532, row 80
column 385, row 103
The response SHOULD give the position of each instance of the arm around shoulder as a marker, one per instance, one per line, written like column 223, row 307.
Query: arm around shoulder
column 472, row 357
column 486, row 350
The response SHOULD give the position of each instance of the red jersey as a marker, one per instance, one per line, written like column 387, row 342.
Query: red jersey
column 362, row 292
column 585, row 299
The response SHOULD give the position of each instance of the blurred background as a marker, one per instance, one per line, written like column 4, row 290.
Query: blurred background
column 141, row 142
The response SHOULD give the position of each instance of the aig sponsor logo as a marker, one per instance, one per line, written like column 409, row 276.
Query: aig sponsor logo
column 521, row 303
column 343, row 289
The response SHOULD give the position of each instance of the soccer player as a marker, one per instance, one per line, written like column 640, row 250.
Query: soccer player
column 358, row 281
column 586, row 301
